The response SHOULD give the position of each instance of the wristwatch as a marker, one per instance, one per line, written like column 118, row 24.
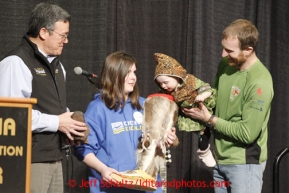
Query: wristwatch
column 209, row 123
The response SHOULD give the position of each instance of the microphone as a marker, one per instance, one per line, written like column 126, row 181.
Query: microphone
column 79, row 71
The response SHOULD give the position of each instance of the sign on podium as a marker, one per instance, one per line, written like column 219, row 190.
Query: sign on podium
column 15, row 144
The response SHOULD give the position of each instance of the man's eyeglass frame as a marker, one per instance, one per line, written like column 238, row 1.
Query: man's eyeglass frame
column 64, row 37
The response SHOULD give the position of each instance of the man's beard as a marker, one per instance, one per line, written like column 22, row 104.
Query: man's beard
column 237, row 62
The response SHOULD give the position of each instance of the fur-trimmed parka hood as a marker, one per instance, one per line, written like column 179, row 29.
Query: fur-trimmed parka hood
column 167, row 65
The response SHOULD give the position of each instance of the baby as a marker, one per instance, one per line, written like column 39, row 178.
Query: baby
column 187, row 91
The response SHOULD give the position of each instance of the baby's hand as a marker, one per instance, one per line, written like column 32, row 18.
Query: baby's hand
column 203, row 96
column 200, row 98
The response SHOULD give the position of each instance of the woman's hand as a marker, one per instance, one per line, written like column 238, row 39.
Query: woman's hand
column 172, row 138
column 106, row 174
column 93, row 162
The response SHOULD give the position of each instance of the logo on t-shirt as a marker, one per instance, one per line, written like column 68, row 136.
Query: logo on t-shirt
column 234, row 92
column 259, row 91
column 257, row 104
column 117, row 127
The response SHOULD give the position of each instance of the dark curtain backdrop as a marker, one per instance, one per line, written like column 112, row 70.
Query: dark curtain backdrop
column 188, row 30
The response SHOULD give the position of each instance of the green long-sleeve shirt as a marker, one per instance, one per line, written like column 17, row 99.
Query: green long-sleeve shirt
column 243, row 107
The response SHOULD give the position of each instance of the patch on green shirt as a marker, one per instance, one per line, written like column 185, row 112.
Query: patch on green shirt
column 234, row 92
column 257, row 104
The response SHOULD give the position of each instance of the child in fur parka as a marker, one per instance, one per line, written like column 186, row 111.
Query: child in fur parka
column 187, row 91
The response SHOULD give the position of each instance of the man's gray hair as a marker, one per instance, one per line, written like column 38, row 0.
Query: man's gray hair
column 44, row 15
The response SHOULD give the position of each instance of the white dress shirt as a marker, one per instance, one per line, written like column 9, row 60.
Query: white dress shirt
column 16, row 81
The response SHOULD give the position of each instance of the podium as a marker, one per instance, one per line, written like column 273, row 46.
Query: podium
column 15, row 144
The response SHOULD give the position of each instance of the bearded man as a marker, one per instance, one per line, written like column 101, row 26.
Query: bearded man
column 244, row 94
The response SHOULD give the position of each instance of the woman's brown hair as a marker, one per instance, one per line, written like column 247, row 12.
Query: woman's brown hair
column 114, row 72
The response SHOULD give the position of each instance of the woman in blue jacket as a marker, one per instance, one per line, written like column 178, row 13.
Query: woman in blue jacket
column 114, row 118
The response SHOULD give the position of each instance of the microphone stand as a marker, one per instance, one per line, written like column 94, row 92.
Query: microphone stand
column 90, row 80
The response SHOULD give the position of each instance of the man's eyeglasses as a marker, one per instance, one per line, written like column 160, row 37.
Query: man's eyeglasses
column 64, row 37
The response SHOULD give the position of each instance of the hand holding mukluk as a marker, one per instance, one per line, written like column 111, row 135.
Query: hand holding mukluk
column 78, row 116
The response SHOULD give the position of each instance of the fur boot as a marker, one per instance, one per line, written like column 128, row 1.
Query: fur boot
column 160, row 115
column 207, row 157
